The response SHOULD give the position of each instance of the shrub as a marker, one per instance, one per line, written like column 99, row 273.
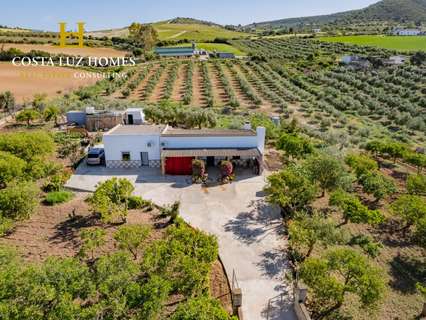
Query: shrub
column 56, row 182
column 226, row 172
column 416, row 184
column 136, row 202
column 200, row 308
column 367, row 244
column 57, row 197
column 378, row 185
column 198, row 171
column 132, row 238
column 11, row 167
column 18, row 200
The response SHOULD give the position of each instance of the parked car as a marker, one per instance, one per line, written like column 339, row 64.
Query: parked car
column 96, row 156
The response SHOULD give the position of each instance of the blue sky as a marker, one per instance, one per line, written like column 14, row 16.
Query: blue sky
column 98, row 14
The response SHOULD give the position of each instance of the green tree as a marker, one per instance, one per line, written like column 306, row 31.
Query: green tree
column 18, row 200
column 11, row 167
column 154, row 294
column 132, row 238
column 52, row 113
column 376, row 184
column 28, row 116
column 27, row 146
column 92, row 239
column 143, row 35
column 200, row 308
column 290, row 189
column 111, row 198
column 361, row 164
column 327, row 171
column 416, row 184
column 339, row 272
column 307, row 231
column 416, row 159
column 294, row 145
column 353, row 210
column 7, row 101
column 410, row 208
column 39, row 101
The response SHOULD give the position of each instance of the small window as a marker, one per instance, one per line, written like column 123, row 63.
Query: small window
column 125, row 156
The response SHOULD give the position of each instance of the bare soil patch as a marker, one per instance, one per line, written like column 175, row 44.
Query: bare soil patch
column 25, row 82
column 198, row 98
column 179, row 87
column 86, row 51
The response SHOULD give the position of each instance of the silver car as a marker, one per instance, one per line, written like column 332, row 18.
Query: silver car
column 96, row 156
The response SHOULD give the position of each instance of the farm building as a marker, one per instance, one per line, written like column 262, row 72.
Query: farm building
column 225, row 55
column 176, row 52
column 407, row 32
column 174, row 149
column 100, row 120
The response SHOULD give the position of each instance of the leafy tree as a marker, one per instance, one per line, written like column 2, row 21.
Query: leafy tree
column 353, row 210
column 416, row 159
column 154, row 294
column 39, row 101
column 171, row 211
column 416, row 184
column 52, row 113
column 327, row 171
column 339, row 272
column 361, row 164
column 7, row 101
column 92, row 239
column 143, row 35
column 378, row 185
column 410, row 208
column 18, row 200
column 27, row 146
column 110, row 199
column 11, row 167
column 307, row 231
column 132, row 238
column 28, row 115
column 294, row 146
column 200, row 308
column 290, row 189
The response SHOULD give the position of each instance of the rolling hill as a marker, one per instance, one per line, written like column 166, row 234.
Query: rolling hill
column 180, row 29
column 397, row 11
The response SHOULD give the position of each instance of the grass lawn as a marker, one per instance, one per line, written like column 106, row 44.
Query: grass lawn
column 220, row 47
column 400, row 43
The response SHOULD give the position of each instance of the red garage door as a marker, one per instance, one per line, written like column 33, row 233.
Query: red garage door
column 179, row 166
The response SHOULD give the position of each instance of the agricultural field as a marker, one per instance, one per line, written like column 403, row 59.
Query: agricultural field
column 220, row 47
column 178, row 31
column 53, row 49
column 25, row 82
column 399, row 43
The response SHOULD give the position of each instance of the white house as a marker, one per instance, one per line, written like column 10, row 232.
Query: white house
column 406, row 32
column 172, row 149
column 397, row 60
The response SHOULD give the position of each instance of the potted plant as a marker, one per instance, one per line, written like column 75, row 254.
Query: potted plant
column 226, row 172
column 199, row 174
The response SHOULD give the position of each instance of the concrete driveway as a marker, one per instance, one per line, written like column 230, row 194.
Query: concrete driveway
column 248, row 230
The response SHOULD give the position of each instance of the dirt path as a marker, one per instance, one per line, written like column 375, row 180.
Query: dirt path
column 177, row 34
column 179, row 87
column 198, row 98
column 242, row 98
column 158, row 92
column 219, row 93
column 139, row 92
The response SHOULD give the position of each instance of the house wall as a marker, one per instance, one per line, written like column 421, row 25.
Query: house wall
column 135, row 144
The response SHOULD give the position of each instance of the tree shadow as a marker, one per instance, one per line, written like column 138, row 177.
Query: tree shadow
column 69, row 230
column 273, row 263
column 254, row 225
column 406, row 273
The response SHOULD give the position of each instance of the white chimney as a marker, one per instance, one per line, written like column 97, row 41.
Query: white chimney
column 261, row 136
column 247, row 126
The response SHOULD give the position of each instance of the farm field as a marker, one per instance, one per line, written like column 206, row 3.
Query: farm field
column 178, row 31
column 220, row 47
column 399, row 43
column 86, row 51
column 25, row 82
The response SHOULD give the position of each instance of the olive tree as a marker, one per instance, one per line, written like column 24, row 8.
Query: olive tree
column 28, row 116
column 378, row 185
column 337, row 273
column 91, row 239
column 411, row 209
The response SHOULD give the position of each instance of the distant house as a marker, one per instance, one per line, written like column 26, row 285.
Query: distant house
column 406, row 32
column 316, row 30
column 225, row 55
column 397, row 60
column 176, row 52
column 355, row 62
